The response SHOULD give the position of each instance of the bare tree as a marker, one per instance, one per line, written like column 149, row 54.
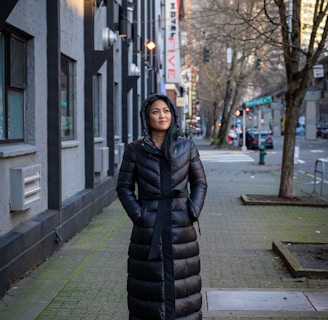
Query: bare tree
column 299, row 64
column 299, row 60
column 226, row 28
column 275, row 26
column 211, row 91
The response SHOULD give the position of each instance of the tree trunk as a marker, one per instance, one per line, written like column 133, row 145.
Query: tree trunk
column 221, row 138
column 213, row 125
column 287, row 168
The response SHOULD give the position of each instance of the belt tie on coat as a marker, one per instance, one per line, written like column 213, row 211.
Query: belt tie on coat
column 163, row 207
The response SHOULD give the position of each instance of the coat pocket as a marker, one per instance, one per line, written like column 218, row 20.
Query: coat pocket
column 192, row 211
column 140, row 217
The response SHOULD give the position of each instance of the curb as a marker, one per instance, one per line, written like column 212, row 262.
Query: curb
column 294, row 266
column 254, row 199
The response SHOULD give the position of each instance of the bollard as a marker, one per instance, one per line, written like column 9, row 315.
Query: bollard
column 296, row 154
column 262, row 154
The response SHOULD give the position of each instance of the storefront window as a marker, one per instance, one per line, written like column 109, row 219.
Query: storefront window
column 67, row 98
column 97, row 105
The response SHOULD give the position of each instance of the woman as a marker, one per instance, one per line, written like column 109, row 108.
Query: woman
column 163, row 263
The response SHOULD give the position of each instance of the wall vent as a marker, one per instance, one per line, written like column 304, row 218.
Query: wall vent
column 25, row 187
column 101, row 159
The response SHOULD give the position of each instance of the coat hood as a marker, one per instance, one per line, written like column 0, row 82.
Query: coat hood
column 145, row 108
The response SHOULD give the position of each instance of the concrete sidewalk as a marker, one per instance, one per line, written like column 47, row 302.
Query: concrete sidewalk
column 86, row 278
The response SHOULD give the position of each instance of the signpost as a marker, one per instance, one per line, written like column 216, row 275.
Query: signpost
column 255, row 102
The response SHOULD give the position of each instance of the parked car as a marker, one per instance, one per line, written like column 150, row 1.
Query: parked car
column 252, row 139
column 321, row 128
column 324, row 134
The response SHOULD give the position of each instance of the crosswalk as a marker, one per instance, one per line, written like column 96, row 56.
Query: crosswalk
column 225, row 157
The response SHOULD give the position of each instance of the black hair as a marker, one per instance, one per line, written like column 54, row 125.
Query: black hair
column 173, row 131
column 170, row 137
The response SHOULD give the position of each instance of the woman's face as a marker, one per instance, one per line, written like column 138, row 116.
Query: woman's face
column 160, row 116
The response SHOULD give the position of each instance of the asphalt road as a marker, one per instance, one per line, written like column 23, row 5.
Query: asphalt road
column 308, row 152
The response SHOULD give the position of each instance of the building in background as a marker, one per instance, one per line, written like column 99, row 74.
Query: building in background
column 319, row 82
column 73, row 75
column 307, row 13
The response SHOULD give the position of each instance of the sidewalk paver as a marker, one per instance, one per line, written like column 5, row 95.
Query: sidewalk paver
column 86, row 278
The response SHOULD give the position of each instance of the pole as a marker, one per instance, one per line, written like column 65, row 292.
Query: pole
column 244, row 148
column 260, row 124
column 190, row 101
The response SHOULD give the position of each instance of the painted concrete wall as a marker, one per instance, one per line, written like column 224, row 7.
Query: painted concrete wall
column 30, row 17
column 72, row 41
column 28, row 237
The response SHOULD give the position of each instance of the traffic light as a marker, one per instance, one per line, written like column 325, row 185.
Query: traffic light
column 206, row 55
column 258, row 63
column 247, row 110
column 193, row 93
column 239, row 113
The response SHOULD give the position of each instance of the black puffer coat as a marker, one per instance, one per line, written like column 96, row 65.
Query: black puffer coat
column 163, row 263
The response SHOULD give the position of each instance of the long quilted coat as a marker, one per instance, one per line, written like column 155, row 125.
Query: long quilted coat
column 163, row 263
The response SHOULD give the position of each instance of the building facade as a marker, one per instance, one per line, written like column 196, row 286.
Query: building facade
column 73, row 75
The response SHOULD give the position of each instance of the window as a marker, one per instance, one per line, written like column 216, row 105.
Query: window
column 67, row 98
column 12, row 87
column 97, row 105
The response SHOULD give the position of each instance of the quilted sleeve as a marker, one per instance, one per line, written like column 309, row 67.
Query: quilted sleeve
column 197, row 181
column 126, row 183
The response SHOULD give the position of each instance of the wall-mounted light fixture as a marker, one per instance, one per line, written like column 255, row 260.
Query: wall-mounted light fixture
column 130, row 6
column 101, row 3
column 134, row 70
column 150, row 45
column 109, row 38
column 148, row 66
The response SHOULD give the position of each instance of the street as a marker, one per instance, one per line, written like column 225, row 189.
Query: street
column 309, row 152
column 306, row 154
column 305, row 158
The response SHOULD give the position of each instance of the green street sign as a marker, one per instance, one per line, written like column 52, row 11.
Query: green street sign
column 255, row 102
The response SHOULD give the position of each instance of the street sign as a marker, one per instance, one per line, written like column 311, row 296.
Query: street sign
column 318, row 71
column 255, row 102
column 181, row 102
